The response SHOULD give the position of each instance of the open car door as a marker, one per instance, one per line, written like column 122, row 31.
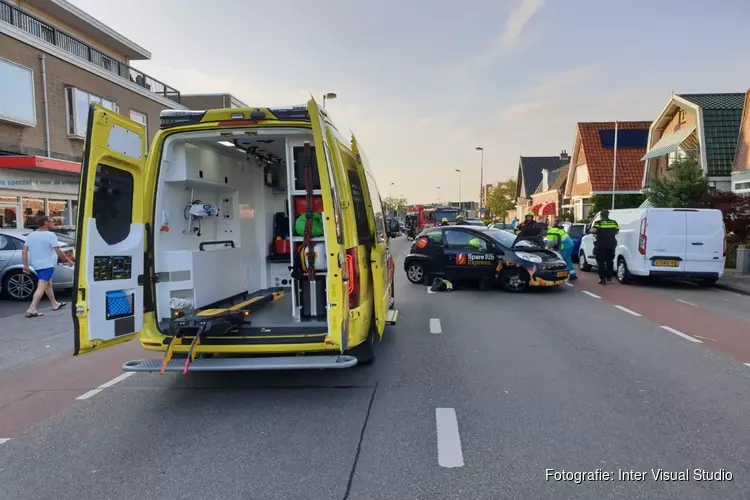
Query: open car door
column 113, row 216
column 337, row 281
column 381, row 259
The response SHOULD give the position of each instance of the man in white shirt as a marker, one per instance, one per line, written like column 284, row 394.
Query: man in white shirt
column 41, row 251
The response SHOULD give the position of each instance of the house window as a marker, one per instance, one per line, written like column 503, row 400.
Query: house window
column 681, row 117
column 582, row 175
column 141, row 118
column 78, row 103
column 17, row 103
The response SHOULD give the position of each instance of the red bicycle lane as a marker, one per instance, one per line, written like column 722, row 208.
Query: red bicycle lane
column 727, row 335
column 35, row 392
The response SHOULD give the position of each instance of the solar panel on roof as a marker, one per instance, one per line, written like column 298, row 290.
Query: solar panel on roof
column 627, row 138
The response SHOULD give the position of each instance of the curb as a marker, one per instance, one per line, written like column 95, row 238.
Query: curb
column 732, row 288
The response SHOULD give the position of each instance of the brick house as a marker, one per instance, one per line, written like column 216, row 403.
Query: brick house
column 741, row 164
column 705, row 124
column 592, row 163
column 530, row 175
column 546, row 201
column 54, row 61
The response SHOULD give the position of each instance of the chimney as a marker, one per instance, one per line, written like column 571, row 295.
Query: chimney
column 564, row 155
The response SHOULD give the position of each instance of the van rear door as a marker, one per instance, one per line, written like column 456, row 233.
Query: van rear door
column 381, row 260
column 666, row 241
column 337, row 281
column 113, row 216
column 705, row 241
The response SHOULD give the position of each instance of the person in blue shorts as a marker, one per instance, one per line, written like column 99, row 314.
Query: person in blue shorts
column 41, row 251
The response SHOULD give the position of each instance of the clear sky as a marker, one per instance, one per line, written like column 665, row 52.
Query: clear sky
column 423, row 82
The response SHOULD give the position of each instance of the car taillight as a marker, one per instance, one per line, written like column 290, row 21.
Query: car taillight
column 642, row 240
column 423, row 242
column 353, row 266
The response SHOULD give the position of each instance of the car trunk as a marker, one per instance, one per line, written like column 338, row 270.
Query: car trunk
column 241, row 257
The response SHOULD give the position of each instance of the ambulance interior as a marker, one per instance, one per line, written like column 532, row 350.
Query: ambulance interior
column 226, row 229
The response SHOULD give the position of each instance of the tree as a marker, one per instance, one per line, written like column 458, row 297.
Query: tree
column 502, row 199
column 601, row 202
column 684, row 187
column 736, row 210
column 395, row 205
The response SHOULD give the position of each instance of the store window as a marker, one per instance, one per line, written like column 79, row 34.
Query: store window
column 33, row 209
column 58, row 210
column 9, row 212
column 78, row 102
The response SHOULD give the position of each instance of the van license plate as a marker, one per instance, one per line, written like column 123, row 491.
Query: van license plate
column 666, row 263
column 562, row 274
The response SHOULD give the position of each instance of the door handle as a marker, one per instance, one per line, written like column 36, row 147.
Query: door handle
column 697, row 243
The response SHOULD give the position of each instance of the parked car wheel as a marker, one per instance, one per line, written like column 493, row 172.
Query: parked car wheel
column 514, row 281
column 415, row 273
column 19, row 286
column 623, row 275
column 708, row 282
column 583, row 263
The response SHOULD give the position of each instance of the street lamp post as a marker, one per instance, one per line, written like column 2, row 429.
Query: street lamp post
column 390, row 190
column 438, row 188
column 481, row 175
column 459, row 187
column 329, row 96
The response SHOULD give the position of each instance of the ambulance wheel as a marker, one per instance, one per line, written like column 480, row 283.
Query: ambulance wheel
column 415, row 273
column 583, row 264
column 514, row 281
column 365, row 352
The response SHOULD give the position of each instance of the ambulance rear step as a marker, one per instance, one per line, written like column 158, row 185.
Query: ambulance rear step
column 220, row 364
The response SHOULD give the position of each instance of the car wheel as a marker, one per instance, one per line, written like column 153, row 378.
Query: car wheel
column 514, row 281
column 415, row 273
column 623, row 275
column 583, row 264
column 19, row 286
column 708, row 282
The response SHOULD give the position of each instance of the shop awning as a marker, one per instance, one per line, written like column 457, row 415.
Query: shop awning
column 548, row 208
column 669, row 144
column 535, row 208
column 40, row 164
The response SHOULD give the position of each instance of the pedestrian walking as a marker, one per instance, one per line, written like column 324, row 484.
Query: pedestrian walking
column 605, row 231
column 558, row 239
column 41, row 252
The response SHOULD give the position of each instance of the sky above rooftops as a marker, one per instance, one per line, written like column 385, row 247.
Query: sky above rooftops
column 423, row 82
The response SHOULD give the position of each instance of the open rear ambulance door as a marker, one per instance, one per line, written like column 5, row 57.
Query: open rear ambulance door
column 380, row 256
column 337, row 280
column 113, row 216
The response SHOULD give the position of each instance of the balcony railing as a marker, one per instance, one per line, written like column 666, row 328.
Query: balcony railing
column 12, row 15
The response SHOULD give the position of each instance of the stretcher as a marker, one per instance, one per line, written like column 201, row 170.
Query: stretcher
column 214, row 321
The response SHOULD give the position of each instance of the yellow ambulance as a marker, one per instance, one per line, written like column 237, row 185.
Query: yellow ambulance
column 243, row 239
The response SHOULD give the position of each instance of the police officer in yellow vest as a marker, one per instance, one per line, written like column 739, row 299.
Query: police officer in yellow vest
column 558, row 239
column 605, row 230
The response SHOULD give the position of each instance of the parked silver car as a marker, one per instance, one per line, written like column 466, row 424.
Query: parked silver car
column 18, row 286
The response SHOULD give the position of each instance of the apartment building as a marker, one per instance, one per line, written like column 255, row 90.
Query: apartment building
column 54, row 61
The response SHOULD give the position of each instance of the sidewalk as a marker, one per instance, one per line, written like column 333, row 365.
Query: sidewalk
column 28, row 340
column 735, row 282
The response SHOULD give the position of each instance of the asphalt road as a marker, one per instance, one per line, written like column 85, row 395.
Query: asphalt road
column 473, row 395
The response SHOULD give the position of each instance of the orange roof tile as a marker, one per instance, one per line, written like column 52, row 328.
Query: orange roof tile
column 600, row 159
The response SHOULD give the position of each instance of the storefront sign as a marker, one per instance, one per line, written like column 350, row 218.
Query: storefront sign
column 33, row 181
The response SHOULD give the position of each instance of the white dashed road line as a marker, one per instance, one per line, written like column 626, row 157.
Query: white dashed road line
column 435, row 325
column 747, row 364
column 94, row 392
column 448, row 438
column 430, row 290
column 4, row 440
column 686, row 302
column 569, row 284
column 629, row 311
column 683, row 335
column 591, row 294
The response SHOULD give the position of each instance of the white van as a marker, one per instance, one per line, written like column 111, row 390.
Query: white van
column 679, row 243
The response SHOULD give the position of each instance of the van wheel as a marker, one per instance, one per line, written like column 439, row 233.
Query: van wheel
column 365, row 352
column 623, row 275
column 583, row 264
column 708, row 282
column 415, row 273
